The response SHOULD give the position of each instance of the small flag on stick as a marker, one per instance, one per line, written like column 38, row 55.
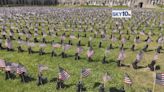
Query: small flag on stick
column 106, row 77
column 85, row 72
column 63, row 75
column 127, row 79
column 160, row 78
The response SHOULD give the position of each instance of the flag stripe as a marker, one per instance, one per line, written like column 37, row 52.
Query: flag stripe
column 160, row 78
column 63, row 75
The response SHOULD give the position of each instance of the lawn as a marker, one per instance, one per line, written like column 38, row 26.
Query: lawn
column 142, row 78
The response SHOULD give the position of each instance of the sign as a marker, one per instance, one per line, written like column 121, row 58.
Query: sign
column 121, row 13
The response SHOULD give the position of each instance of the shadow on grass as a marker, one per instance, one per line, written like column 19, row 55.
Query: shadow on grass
column 149, row 50
column 126, row 48
column 114, row 89
column 70, row 56
column 53, row 79
column 96, row 84
column 112, row 61
column 141, row 67
column 157, row 67
column 29, row 79
column 33, row 52
column 13, row 76
column 125, row 65
column 69, row 85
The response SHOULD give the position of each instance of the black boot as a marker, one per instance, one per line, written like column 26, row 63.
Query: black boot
column 76, row 56
column 132, row 48
column 134, row 64
column 104, row 60
column 119, row 63
column 151, row 66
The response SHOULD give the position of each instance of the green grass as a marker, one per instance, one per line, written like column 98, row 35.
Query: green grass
column 160, row 5
column 142, row 78
column 120, row 7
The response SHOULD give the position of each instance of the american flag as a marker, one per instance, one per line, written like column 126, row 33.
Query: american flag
column 42, row 68
column 19, row 41
column 8, row 43
column 63, row 75
column 44, row 34
column 107, row 51
column 121, row 55
column 8, row 68
column 114, row 39
column 136, row 40
column 160, row 78
column 105, row 38
column 160, row 40
column 149, row 40
column 79, row 49
column 142, row 33
column 14, row 66
column 72, row 36
column 85, row 72
column 90, row 38
column 95, row 32
column 28, row 35
column 31, row 44
column 2, row 63
column 21, row 69
column 3, row 32
column 90, row 52
column 56, row 45
column 155, row 56
column 20, row 33
column 127, row 79
column 35, row 34
column 106, row 77
column 18, row 70
column 11, row 33
column 63, row 37
column 102, row 33
column 67, row 47
column 123, row 40
column 42, row 45
column 139, row 56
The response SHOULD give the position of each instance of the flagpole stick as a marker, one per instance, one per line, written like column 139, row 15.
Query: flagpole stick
column 154, row 84
column 104, row 84
column 23, row 78
column 129, row 86
column 8, row 74
column 59, row 78
column 81, row 78
column 124, row 86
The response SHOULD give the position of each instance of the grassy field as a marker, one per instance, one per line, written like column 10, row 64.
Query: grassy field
column 142, row 78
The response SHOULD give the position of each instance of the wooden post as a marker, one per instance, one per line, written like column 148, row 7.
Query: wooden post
column 154, row 84
column 81, row 76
